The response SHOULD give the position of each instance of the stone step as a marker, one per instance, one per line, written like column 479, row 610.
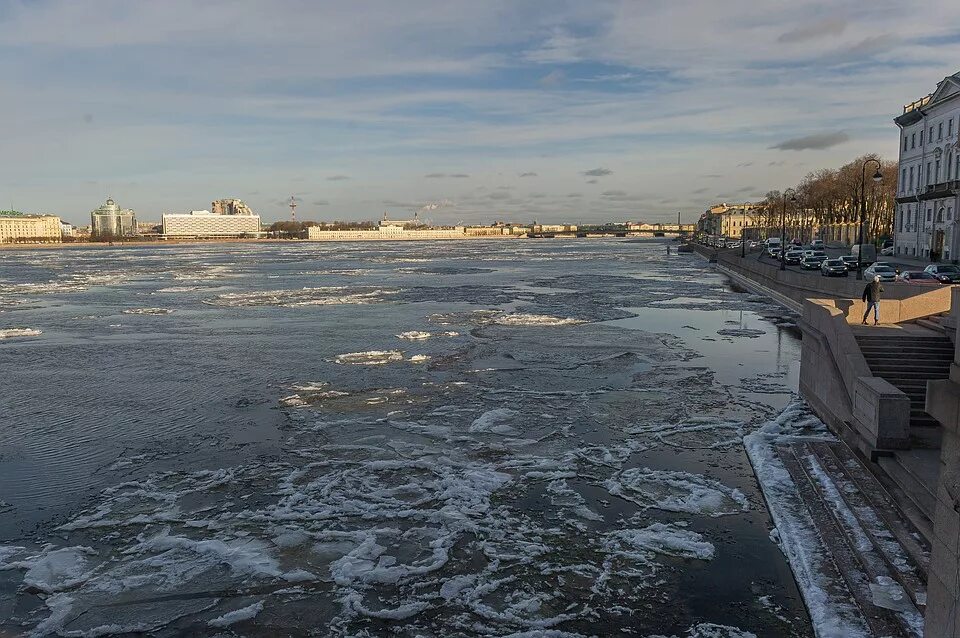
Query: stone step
column 886, row 507
column 895, row 349
column 914, row 487
column 899, row 561
column 931, row 324
column 928, row 437
column 926, row 339
column 856, row 568
column 893, row 358
column 906, row 373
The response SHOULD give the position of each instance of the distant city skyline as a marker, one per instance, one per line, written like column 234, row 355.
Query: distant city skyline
column 576, row 112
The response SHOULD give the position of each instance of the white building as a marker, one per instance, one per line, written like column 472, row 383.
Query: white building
column 203, row 223
column 391, row 231
column 924, row 224
column 15, row 227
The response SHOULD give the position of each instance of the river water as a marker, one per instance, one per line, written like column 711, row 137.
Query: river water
column 414, row 439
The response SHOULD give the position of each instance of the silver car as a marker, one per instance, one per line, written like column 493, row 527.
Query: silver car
column 886, row 273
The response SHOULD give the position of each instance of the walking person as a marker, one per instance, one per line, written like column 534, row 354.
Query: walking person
column 871, row 295
column 668, row 249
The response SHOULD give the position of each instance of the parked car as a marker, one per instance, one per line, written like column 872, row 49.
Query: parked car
column 732, row 243
column 812, row 262
column 887, row 252
column 793, row 256
column 850, row 261
column 919, row 277
column 833, row 268
column 753, row 244
column 945, row 273
column 817, row 244
column 885, row 272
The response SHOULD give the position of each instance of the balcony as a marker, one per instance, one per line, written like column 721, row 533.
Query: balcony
column 932, row 191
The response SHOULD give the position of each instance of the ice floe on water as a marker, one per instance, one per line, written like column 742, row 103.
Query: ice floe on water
column 320, row 296
column 677, row 491
column 420, row 335
column 148, row 311
column 12, row 333
column 502, row 318
column 369, row 358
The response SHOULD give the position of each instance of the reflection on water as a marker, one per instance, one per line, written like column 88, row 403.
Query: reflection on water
column 476, row 438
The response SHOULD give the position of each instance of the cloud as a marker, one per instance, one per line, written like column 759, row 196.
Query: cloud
column 338, row 178
column 574, row 195
column 458, row 175
column 747, row 189
column 700, row 190
column 817, row 141
column 528, row 174
column 320, row 202
column 712, row 176
column 598, row 172
column 499, row 195
column 867, row 47
column 435, row 175
column 552, row 79
column 744, row 164
column 819, row 29
column 443, row 203
column 593, row 181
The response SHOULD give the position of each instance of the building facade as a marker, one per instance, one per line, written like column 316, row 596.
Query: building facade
column 230, row 207
column 15, row 228
column 202, row 223
column 389, row 231
column 110, row 221
column 928, row 185
column 727, row 220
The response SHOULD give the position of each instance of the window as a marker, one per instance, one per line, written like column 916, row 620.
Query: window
column 949, row 214
column 930, row 138
column 913, row 141
column 940, row 131
column 940, row 215
column 929, row 214
column 911, row 178
column 921, row 137
column 936, row 172
column 905, row 141
column 929, row 171
column 950, row 127
column 903, row 179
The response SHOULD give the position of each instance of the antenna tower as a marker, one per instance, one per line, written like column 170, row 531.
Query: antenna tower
column 293, row 208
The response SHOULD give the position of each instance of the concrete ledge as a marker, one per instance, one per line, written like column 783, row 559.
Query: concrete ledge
column 881, row 413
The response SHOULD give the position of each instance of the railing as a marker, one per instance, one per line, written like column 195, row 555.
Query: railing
column 917, row 103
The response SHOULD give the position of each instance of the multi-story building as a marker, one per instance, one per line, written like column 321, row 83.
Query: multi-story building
column 110, row 221
column 203, row 223
column 17, row 227
column 928, row 185
column 230, row 207
column 727, row 220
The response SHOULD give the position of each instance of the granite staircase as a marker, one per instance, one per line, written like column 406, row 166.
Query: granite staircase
column 907, row 362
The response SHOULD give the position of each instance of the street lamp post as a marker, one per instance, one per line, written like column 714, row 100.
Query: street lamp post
column 783, row 225
column 743, row 241
column 863, row 208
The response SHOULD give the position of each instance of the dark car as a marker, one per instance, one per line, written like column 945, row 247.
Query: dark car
column 833, row 268
column 812, row 262
column 919, row 277
column 850, row 261
column 944, row 273
column 793, row 256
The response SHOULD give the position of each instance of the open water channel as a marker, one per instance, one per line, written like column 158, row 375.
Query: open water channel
column 484, row 438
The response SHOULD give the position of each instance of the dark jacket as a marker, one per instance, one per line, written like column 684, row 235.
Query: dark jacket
column 872, row 292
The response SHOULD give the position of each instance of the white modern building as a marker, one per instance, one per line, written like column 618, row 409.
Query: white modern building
column 202, row 223
column 928, row 185
column 111, row 221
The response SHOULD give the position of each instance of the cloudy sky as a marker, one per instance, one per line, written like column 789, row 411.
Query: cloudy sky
column 469, row 110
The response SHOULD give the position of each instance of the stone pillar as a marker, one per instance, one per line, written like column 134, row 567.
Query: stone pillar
column 943, row 583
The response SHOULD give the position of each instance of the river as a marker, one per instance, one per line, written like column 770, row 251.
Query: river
column 476, row 438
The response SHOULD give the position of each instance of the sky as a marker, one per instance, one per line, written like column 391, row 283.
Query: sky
column 466, row 111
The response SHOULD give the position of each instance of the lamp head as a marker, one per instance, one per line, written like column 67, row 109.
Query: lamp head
column 878, row 176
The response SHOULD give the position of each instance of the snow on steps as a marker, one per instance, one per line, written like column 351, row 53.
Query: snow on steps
column 846, row 542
